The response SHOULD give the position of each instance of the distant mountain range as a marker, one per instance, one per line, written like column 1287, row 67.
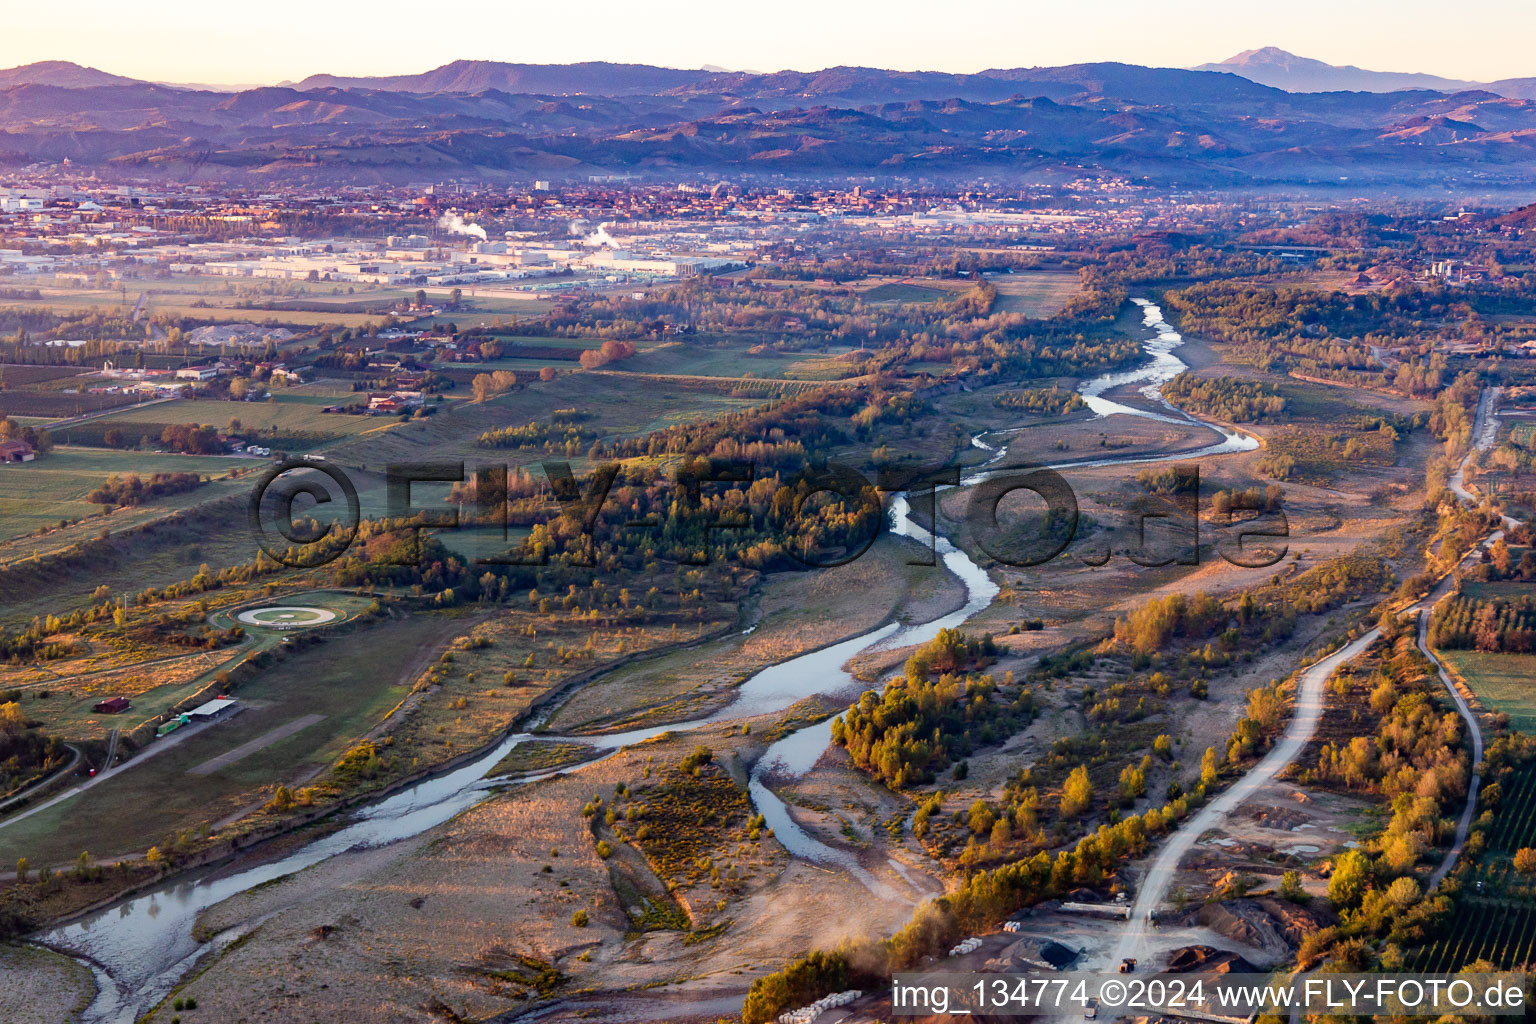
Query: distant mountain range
column 1275, row 67
column 495, row 121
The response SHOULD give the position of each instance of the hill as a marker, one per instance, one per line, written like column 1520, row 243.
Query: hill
column 60, row 73
column 1206, row 128
column 597, row 78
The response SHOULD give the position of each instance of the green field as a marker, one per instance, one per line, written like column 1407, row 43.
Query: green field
column 40, row 493
column 1037, row 294
column 1504, row 682
column 1499, row 590
column 902, row 292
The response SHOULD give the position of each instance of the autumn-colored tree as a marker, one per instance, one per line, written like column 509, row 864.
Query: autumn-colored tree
column 1077, row 793
column 1351, row 877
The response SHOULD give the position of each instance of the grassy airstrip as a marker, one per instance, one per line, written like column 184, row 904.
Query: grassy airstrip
column 352, row 681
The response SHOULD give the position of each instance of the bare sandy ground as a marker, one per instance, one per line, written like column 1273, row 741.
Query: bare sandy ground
column 39, row 986
column 389, row 934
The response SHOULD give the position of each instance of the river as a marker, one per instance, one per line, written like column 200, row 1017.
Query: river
column 142, row 947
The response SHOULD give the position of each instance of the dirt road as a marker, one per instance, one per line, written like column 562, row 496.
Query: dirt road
column 1138, row 940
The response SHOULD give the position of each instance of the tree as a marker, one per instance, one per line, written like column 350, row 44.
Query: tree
column 981, row 818
column 1077, row 793
column 1351, row 877
column 421, row 298
column 1403, row 892
column 12, row 721
column 1209, row 768
column 1133, row 783
column 21, row 869
column 1499, row 554
column 1525, row 860
column 1290, row 888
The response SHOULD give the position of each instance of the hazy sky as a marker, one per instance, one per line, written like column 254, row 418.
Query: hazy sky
column 210, row 41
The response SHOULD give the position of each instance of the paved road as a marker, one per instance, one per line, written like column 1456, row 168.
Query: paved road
column 66, row 770
column 158, row 747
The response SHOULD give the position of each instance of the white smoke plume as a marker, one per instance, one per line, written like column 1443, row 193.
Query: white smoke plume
column 455, row 225
column 602, row 237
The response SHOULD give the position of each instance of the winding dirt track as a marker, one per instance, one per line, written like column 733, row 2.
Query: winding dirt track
column 1139, row 940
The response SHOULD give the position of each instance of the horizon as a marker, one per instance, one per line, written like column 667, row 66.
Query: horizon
column 194, row 45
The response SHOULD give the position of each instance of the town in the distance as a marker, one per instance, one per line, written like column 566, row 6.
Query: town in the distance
column 608, row 542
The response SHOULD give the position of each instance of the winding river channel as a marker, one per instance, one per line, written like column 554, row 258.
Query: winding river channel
column 139, row 949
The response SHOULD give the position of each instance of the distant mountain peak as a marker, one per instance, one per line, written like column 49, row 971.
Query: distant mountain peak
column 1273, row 66
column 1267, row 54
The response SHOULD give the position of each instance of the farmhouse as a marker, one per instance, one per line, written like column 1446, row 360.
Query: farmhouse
column 16, row 451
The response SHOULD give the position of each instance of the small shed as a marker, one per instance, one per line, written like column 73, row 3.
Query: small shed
column 214, row 710
column 112, row 706
column 16, row 451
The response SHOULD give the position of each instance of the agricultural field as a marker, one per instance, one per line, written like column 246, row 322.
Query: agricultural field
column 197, row 306
column 304, row 304
column 1038, row 294
column 1503, row 682
column 903, row 291
column 1502, row 933
column 1502, row 929
column 617, row 404
column 682, row 358
column 290, row 420
column 39, row 494
column 49, row 404
column 26, row 375
column 1515, row 825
